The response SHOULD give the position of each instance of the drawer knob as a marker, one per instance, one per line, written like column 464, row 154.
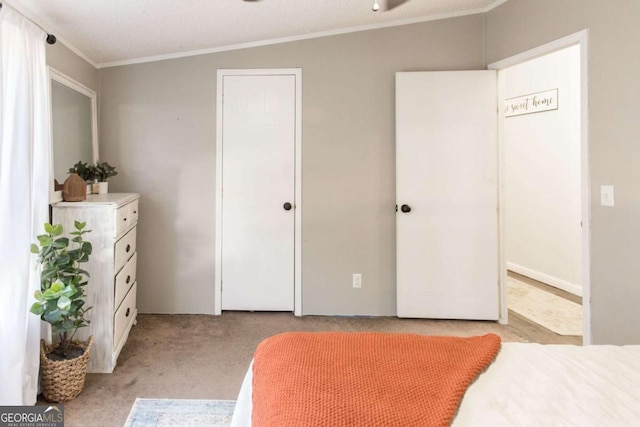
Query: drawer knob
column 128, row 279
column 127, row 313
column 124, row 219
column 128, row 248
column 135, row 212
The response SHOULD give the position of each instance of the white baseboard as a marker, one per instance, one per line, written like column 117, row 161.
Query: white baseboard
column 572, row 288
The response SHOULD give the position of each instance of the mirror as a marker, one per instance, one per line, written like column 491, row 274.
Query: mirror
column 74, row 130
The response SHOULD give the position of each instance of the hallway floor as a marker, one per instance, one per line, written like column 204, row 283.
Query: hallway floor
column 533, row 332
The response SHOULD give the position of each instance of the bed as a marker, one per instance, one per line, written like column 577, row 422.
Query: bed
column 528, row 384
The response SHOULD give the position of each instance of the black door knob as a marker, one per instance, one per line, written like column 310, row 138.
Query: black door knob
column 287, row 206
column 405, row 208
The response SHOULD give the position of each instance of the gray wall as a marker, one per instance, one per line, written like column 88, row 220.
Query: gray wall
column 158, row 123
column 614, row 138
column 67, row 62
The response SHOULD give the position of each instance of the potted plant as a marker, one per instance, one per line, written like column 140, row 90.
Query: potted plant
column 86, row 172
column 102, row 172
column 60, row 302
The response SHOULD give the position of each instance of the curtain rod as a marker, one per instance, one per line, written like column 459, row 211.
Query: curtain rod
column 51, row 39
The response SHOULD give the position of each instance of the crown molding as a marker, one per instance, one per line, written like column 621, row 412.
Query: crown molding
column 289, row 39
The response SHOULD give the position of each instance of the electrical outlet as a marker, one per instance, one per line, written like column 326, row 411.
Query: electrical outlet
column 357, row 280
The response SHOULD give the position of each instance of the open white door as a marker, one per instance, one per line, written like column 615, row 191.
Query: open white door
column 447, row 195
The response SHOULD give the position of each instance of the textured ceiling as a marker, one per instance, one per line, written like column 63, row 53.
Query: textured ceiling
column 114, row 31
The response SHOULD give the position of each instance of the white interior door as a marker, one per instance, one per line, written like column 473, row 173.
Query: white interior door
column 447, row 175
column 258, row 192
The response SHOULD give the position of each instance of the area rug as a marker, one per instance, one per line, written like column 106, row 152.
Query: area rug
column 180, row 412
column 560, row 315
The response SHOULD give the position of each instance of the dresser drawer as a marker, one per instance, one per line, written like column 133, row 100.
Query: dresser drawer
column 133, row 211
column 124, row 315
column 125, row 279
column 125, row 248
column 127, row 216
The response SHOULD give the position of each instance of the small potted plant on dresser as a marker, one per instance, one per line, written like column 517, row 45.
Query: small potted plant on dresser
column 102, row 172
column 60, row 302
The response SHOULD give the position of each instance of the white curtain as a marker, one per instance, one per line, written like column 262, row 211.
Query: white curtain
column 24, row 199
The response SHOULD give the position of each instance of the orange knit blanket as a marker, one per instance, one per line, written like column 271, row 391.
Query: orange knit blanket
column 364, row 379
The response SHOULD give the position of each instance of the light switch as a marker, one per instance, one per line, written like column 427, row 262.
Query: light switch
column 606, row 195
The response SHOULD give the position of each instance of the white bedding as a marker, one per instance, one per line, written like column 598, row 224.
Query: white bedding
column 540, row 385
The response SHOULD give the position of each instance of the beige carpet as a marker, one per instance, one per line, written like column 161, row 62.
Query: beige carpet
column 560, row 315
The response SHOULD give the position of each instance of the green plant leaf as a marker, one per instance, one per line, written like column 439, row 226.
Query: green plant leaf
column 50, row 295
column 64, row 303
column 79, row 225
column 76, row 304
column 53, row 316
column 61, row 243
column 81, row 323
column 51, row 305
column 56, row 328
column 63, row 259
column 56, row 230
column 34, row 248
column 69, row 291
column 47, row 252
column 48, row 228
column 87, row 247
column 45, row 240
column 38, row 296
column 48, row 274
column 57, row 286
column 37, row 309
column 68, row 325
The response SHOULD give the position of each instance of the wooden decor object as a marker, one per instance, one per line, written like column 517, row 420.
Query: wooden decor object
column 74, row 189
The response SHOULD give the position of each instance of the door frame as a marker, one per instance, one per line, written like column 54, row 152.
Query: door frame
column 297, row 72
column 580, row 38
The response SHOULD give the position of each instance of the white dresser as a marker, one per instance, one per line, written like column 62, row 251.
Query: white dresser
column 112, row 219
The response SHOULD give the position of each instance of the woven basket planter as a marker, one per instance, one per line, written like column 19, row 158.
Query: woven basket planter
column 63, row 380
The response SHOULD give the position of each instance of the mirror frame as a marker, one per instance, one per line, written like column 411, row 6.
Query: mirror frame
column 57, row 76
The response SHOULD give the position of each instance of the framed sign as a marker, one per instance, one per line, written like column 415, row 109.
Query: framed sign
column 533, row 103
